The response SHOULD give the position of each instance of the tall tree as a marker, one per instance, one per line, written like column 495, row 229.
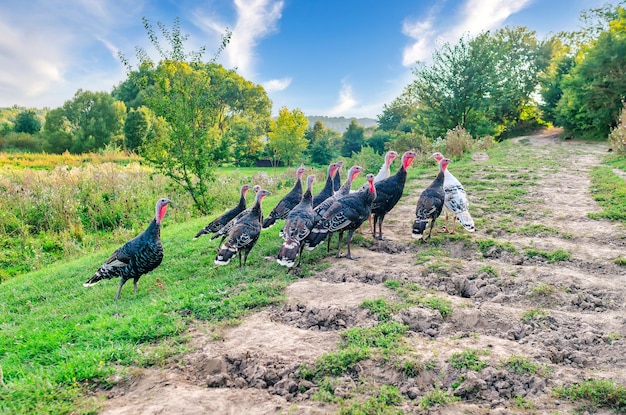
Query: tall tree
column 286, row 138
column 353, row 139
column 27, row 122
column 136, row 128
column 195, row 102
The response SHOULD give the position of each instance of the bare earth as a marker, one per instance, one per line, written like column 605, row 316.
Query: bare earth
column 250, row 368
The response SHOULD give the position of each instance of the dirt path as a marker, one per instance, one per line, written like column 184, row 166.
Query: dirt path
column 580, row 335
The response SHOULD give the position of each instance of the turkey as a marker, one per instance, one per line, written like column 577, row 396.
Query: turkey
column 223, row 232
column 342, row 191
column 456, row 203
column 244, row 234
column 337, row 178
column 282, row 208
column 327, row 190
column 136, row 257
column 219, row 222
column 388, row 193
column 297, row 227
column 383, row 173
column 430, row 204
column 345, row 215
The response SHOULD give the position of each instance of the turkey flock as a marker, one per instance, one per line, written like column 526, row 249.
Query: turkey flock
column 307, row 219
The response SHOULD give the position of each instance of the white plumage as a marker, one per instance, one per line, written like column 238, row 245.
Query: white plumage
column 456, row 203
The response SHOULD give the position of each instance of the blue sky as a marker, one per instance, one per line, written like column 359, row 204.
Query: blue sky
column 325, row 57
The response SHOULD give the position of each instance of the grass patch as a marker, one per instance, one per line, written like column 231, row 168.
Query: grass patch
column 383, row 402
column 522, row 365
column 484, row 245
column 609, row 190
column 437, row 397
column 60, row 339
column 534, row 314
column 621, row 261
column 593, row 394
column 467, row 359
column 381, row 308
column 552, row 256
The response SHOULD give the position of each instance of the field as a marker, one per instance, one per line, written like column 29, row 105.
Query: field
column 526, row 315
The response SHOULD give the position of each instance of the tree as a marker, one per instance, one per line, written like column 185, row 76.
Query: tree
column 594, row 89
column 322, row 143
column 378, row 140
column 27, row 122
column 353, row 139
column 195, row 104
column 286, row 137
column 136, row 128
column 245, row 140
column 395, row 114
column 90, row 120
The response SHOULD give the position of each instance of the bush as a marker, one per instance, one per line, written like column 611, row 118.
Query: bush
column 617, row 137
column 458, row 142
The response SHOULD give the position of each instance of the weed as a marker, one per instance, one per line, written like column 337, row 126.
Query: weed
column 609, row 190
column 553, row 256
column 621, row 261
column 489, row 270
column 519, row 364
column 523, row 403
column 594, row 394
column 467, row 359
column 437, row 397
column 440, row 304
column 380, row 308
column 534, row 314
column 542, row 290
column 384, row 402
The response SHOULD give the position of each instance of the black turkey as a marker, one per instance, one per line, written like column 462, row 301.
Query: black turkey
column 136, row 257
column 327, row 190
column 223, row 232
column 297, row 227
column 221, row 221
column 388, row 193
column 383, row 173
column 337, row 178
column 430, row 204
column 345, row 215
column 244, row 234
column 284, row 206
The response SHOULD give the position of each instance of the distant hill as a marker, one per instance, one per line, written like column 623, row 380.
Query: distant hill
column 340, row 124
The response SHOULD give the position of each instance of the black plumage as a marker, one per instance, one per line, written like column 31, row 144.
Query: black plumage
column 388, row 193
column 223, row 232
column 430, row 204
column 297, row 227
column 244, row 234
column 340, row 192
column 337, row 178
column 284, row 206
column 327, row 190
column 136, row 257
column 221, row 221
column 345, row 215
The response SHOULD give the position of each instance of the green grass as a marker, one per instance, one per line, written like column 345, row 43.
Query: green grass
column 553, row 256
column 60, row 339
column 534, row 314
column 382, row 402
column 467, row 359
column 522, row 365
column 437, row 397
column 609, row 190
column 593, row 394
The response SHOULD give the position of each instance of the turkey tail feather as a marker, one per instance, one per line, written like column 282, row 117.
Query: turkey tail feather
column 224, row 255
column 288, row 252
column 316, row 237
column 269, row 222
column 419, row 226
column 200, row 233
column 100, row 275
column 466, row 220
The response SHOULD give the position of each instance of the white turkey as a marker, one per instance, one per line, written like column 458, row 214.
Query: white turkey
column 456, row 203
column 136, row 257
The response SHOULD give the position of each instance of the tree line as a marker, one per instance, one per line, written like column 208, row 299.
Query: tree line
column 186, row 114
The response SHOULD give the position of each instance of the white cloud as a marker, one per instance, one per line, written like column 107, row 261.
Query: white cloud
column 255, row 20
column 346, row 101
column 275, row 85
column 475, row 16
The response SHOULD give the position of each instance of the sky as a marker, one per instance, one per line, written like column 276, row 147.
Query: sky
column 325, row 57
